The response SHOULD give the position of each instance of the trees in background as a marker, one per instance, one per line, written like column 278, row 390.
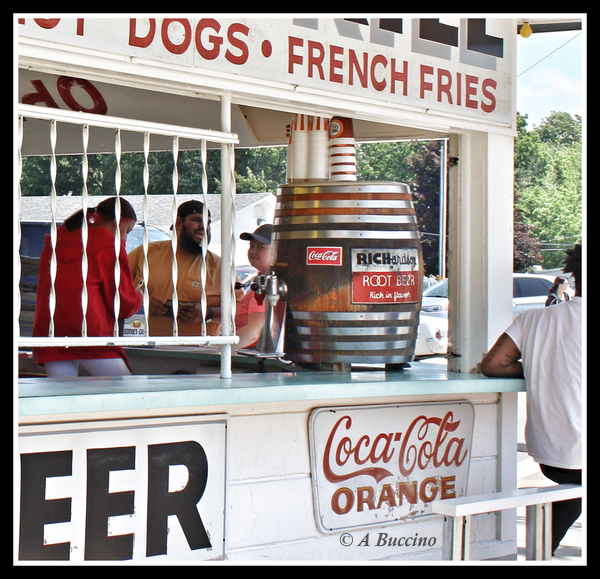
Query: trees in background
column 548, row 188
column 416, row 163
column 257, row 170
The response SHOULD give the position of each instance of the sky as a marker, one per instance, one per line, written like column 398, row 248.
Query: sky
column 557, row 82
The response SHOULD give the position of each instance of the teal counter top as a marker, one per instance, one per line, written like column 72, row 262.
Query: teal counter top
column 52, row 396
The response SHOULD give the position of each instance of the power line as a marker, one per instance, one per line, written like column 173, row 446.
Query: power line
column 545, row 57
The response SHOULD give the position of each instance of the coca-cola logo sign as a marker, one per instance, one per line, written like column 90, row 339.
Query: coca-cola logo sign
column 324, row 256
column 384, row 464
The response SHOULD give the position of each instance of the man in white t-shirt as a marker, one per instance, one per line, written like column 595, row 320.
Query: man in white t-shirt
column 545, row 346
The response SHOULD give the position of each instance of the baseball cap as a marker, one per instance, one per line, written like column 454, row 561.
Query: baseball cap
column 261, row 234
column 189, row 208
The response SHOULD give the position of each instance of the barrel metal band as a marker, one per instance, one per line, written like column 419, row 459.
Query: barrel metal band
column 346, row 234
column 340, row 357
column 344, row 188
column 353, row 346
column 300, row 219
column 355, row 316
column 354, row 331
column 345, row 203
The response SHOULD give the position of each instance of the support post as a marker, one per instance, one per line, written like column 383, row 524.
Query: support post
column 226, row 232
column 480, row 247
column 456, row 543
column 539, row 532
column 506, row 471
column 443, row 208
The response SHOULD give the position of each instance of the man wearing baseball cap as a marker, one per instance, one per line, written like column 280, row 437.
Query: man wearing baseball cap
column 190, row 230
column 250, row 313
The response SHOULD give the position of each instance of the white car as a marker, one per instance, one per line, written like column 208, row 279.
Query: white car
column 529, row 291
column 135, row 237
column 435, row 300
column 432, row 337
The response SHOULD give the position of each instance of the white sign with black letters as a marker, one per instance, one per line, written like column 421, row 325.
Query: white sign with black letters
column 123, row 490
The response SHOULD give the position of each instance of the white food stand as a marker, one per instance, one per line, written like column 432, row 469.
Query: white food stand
column 283, row 465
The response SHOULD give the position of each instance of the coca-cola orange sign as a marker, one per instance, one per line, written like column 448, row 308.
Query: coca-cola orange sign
column 385, row 464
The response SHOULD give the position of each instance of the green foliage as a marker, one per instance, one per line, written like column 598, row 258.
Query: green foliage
column 560, row 129
column 416, row 163
column 548, row 185
column 258, row 170
column 385, row 161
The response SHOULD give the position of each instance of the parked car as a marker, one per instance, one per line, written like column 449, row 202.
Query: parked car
column 245, row 273
column 432, row 337
column 435, row 300
column 135, row 236
column 529, row 291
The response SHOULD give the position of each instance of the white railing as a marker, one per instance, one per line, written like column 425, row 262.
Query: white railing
column 225, row 138
column 538, row 500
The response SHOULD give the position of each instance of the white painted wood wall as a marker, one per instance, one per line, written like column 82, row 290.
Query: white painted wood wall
column 270, row 515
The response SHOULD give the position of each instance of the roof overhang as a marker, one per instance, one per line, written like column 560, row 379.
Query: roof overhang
column 550, row 24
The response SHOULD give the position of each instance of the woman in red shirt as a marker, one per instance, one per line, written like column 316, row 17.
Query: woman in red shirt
column 68, row 314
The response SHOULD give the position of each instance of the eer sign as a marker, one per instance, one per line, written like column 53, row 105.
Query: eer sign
column 123, row 490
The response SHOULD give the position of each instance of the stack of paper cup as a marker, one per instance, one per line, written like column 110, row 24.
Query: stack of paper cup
column 308, row 149
column 298, row 164
column 342, row 150
column 318, row 149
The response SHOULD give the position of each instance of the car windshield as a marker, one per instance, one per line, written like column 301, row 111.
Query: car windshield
column 522, row 287
column 438, row 290
column 526, row 287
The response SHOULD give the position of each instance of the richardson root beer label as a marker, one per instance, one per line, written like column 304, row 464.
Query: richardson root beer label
column 324, row 256
column 385, row 276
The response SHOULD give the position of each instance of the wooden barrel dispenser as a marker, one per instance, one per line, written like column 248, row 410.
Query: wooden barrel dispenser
column 350, row 255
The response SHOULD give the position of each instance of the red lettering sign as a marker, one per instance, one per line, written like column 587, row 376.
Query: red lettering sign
column 385, row 287
column 206, row 36
column 416, row 449
column 389, row 63
column 324, row 256
column 385, row 275
column 66, row 86
column 450, row 88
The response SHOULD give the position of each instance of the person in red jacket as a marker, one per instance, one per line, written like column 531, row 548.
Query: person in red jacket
column 68, row 314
